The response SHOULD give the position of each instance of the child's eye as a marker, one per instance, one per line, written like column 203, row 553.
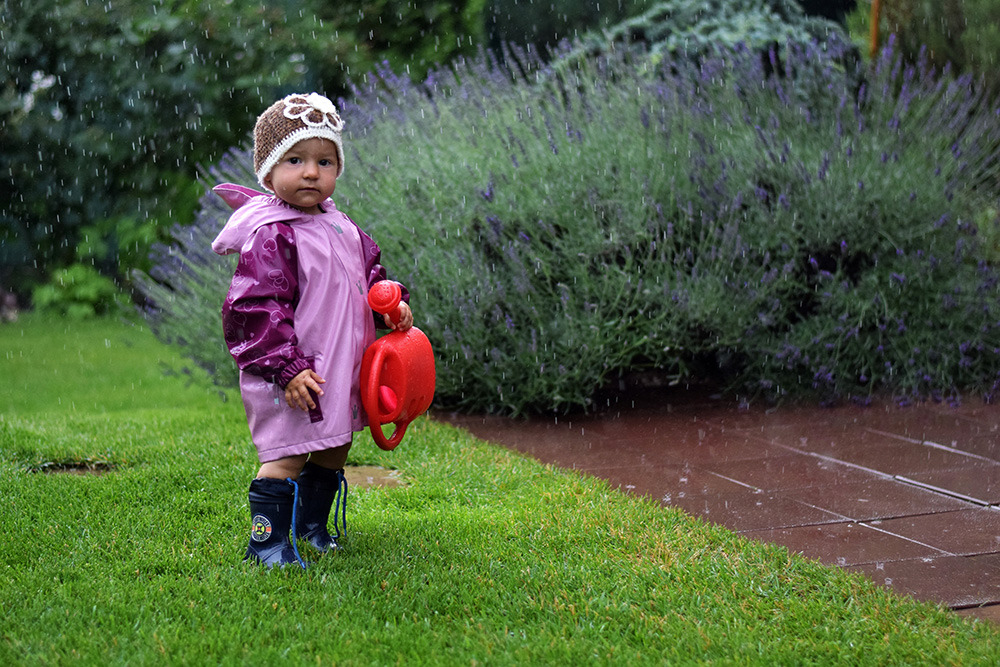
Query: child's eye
column 294, row 160
column 325, row 163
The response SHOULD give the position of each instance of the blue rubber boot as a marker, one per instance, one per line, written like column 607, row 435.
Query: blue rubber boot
column 321, row 489
column 272, row 508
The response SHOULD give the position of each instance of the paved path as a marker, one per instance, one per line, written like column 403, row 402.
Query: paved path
column 909, row 496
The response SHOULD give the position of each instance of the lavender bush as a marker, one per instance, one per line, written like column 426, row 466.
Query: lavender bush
column 558, row 225
column 185, row 288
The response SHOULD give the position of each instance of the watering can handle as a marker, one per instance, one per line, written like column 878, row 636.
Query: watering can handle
column 393, row 440
column 371, row 398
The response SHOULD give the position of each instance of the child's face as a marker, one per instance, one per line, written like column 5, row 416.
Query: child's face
column 306, row 175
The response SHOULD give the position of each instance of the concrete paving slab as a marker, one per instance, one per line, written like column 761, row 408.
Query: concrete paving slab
column 900, row 494
column 876, row 498
column 846, row 543
column 970, row 532
column 955, row 581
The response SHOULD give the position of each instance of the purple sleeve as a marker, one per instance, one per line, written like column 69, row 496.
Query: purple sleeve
column 374, row 270
column 258, row 314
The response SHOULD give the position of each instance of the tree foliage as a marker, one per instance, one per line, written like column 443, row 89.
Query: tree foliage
column 964, row 33
column 546, row 24
column 687, row 29
column 106, row 108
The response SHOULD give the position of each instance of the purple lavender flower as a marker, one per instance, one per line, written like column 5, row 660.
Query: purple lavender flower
column 487, row 194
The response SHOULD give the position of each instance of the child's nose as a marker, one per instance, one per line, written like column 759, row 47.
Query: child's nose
column 311, row 168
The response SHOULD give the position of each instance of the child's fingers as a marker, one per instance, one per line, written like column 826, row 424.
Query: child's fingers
column 312, row 383
column 294, row 399
column 298, row 392
column 306, row 400
column 405, row 318
column 303, row 400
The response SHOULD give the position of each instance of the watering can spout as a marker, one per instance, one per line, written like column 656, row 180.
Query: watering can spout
column 397, row 372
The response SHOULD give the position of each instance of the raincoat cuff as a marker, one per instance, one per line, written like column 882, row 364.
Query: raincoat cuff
column 291, row 370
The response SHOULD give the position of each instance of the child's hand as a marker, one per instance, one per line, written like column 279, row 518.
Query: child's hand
column 297, row 391
column 405, row 318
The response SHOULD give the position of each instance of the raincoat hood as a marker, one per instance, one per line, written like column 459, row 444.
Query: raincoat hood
column 253, row 210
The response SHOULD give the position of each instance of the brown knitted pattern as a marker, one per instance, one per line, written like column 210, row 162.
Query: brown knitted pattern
column 290, row 120
column 271, row 128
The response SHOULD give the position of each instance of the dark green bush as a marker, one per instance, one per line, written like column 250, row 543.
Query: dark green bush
column 106, row 108
column 79, row 291
column 688, row 29
column 963, row 34
column 560, row 226
column 547, row 24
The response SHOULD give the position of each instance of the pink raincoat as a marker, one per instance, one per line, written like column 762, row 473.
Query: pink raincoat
column 298, row 300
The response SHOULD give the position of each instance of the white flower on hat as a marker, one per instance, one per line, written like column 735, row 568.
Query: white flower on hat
column 303, row 107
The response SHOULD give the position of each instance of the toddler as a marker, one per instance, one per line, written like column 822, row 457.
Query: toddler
column 297, row 322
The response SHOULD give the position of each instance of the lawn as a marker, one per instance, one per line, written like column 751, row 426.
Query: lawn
column 482, row 557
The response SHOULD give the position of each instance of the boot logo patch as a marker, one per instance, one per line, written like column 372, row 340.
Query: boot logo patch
column 260, row 528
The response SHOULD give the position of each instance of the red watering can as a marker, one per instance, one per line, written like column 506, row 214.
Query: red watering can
column 397, row 371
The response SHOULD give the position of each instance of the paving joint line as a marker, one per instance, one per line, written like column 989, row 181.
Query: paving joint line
column 931, row 444
column 942, row 492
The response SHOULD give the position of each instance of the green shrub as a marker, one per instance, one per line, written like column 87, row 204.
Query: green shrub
column 78, row 292
column 121, row 100
column 981, row 35
column 546, row 24
column 784, row 236
column 963, row 34
column 696, row 28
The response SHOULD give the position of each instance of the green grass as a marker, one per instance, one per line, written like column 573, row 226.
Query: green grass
column 485, row 557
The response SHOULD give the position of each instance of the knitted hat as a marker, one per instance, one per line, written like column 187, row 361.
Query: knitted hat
column 289, row 121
